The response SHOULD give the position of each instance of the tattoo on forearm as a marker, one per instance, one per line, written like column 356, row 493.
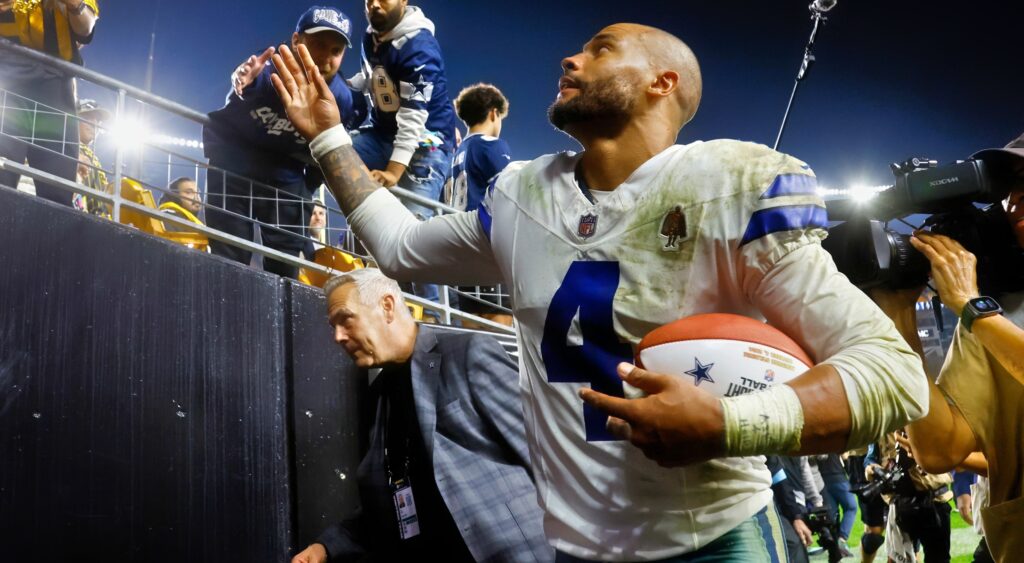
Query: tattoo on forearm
column 347, row 177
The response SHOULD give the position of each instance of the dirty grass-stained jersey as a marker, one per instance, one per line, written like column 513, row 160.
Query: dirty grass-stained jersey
column 720, row 226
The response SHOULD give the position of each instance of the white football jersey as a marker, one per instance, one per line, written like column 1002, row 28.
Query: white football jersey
column 722, row 226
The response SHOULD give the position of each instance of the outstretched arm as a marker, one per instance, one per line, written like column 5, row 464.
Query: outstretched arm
column 311, row 108
column 246, row 73
column 446, row 249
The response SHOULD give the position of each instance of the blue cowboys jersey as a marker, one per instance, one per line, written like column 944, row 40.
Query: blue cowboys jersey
column 477, row 162
column 404, row 78
column 258, row 121
column 721, row 226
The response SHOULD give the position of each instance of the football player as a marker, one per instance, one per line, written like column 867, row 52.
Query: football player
column 750, row 245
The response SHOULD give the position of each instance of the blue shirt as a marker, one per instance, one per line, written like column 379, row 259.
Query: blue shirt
column 404, row 79
column 477, row 162
column 254, row 133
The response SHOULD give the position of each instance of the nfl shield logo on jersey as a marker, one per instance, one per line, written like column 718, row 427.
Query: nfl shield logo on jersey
column 588, row 225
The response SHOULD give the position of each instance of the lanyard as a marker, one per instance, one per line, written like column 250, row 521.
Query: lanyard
column 385, row 438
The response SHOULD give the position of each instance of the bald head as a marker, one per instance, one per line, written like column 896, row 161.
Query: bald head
column 627, row 75
column 667, row 53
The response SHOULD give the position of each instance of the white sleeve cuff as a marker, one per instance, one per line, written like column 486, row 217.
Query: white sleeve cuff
column 402, row 155
column 331, row 139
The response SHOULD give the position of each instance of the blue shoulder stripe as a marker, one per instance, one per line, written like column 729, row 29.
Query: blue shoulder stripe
column 485, row 220
column 785, row 218
column 791, row 184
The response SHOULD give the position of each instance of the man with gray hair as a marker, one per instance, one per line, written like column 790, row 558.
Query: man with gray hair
column 446, row 470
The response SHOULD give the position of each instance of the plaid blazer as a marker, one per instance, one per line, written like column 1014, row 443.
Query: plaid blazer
column 468, row 406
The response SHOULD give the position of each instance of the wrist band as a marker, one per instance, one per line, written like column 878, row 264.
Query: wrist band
column 331, row 139
column 763, row 423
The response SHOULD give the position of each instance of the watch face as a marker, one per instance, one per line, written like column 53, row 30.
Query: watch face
column 985, row 304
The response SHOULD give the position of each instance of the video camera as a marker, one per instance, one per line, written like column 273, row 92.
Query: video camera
column 821, row 523
column 882, row 483
column 871, row 254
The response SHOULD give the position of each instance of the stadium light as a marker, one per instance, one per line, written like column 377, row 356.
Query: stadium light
column 128, row 133
column 859, row 193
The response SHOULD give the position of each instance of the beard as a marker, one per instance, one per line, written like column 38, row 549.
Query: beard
column 383, row 23
column 608, row 101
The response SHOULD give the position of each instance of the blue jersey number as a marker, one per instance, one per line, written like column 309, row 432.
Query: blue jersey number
column 588, row 288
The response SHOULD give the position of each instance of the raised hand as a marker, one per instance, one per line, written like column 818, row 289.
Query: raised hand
column 307, row 99
column 246, row 72
column 675, row 424
column 954, row 269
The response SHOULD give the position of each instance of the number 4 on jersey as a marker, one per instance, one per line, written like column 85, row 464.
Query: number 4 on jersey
column 588, row 289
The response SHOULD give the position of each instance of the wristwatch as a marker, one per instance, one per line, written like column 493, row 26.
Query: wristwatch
column 978, row 308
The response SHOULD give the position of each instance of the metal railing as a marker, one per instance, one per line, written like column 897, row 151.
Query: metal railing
column 125, row 155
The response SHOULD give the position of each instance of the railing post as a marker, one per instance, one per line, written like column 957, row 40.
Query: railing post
column 118, row 158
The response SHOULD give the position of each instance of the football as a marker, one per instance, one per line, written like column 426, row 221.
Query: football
column 724, row 354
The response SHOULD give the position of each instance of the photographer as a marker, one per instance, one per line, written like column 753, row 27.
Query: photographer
column 918, row 501
column 978, row 401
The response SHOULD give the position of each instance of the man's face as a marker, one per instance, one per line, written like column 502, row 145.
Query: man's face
column 86, row 131
column 317, row 220
column 603, row 82
column 327, row 49
column 1014, row 205
column 188, row 193
column 384, row 15
column 360, row 329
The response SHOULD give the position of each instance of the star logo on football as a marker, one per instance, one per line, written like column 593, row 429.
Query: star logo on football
column 701, row 372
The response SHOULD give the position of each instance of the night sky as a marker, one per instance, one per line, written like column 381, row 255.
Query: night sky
column 892, row 79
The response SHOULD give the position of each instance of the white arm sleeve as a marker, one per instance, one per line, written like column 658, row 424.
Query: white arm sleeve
column 449, row 249
column 804, row 295
column 411, row 128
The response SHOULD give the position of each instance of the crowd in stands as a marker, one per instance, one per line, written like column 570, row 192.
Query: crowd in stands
column 260, row 176
column 402, row 123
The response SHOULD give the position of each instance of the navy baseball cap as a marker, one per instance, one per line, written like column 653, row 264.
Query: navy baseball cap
column 323, row 18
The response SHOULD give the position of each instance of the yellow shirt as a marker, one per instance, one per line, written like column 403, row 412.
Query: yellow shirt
column 33, row 28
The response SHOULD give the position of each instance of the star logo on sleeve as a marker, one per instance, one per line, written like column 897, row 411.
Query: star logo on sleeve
column 701, row 372
column 421, row 91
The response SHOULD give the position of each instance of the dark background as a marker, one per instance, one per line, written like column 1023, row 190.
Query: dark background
column 161, row 404
column 892, row 79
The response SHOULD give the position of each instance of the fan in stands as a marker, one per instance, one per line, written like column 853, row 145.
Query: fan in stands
column 724, row 354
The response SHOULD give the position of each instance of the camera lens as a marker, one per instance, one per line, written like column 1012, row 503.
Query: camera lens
column 907, row 267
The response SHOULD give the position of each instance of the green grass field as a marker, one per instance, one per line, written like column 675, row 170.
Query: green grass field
column 963, row 540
